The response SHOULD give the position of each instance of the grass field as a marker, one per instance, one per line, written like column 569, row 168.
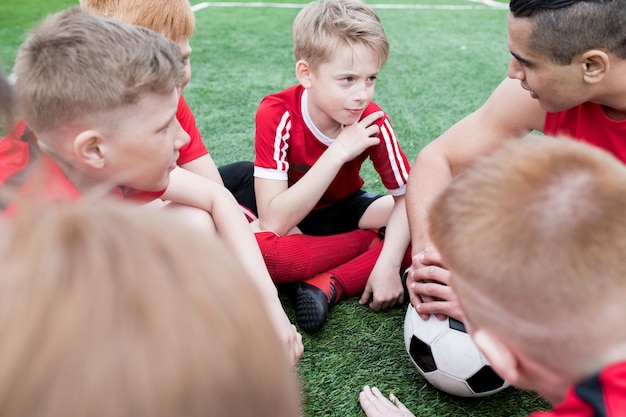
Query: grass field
column 444, row 62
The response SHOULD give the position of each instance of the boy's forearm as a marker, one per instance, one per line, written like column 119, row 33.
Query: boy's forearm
column 235, row 231
column 397, row 236
column 429, row 175
column 204, row 166
column 191, row 189
column 288, row 208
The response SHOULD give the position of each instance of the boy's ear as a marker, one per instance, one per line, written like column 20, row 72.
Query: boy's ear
column 595, row 65
column 501, row 356
column 89, row 148
column 303, row 73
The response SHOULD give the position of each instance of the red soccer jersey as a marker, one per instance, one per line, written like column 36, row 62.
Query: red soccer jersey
column 287, row 144
column 195, row 148
column 588, row 123
column 603, row 395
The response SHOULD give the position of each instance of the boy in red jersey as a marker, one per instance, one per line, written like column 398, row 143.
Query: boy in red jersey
column 101, row 99
column 310, row 142
column 545, row 301
column 566, row 77
column 175, row 20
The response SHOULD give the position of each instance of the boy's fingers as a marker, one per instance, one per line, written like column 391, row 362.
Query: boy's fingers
column 365, row 297
column 397, row 402
column 371, row 118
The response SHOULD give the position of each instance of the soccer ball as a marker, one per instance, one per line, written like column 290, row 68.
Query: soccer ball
column 444, row 353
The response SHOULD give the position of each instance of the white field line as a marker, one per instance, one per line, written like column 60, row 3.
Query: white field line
column 195, row 7
column 490, row 3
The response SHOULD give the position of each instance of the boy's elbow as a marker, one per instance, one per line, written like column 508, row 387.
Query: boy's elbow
column 273, row 226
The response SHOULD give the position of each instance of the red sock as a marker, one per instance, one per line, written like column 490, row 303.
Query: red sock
column 406, row 261
column 323, row 281
column 297, row 257
column 352, row 276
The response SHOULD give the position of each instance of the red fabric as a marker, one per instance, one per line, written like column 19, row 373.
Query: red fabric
column 298, row 257
column 602, row 395
column 46, row 183
column 353, row 275
column 588, row 123
column 27, row 176
column 195, row 148
column 286, row 147
column 14, row 153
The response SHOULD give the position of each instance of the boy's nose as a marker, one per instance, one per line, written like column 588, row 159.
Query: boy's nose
column 182, row 137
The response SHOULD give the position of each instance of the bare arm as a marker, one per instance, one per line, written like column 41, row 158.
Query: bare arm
column 384, row 287
column 509, row 113
column 205, row 167
column 193, row 190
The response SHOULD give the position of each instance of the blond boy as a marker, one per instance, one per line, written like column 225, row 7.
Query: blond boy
column 175, row 20
column 310, row 142
column 534, row 237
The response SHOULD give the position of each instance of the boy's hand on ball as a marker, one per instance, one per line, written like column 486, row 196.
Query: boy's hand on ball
column 429, row 287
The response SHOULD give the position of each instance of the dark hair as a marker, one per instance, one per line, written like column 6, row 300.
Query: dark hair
column 8, row 104
column 563, row 29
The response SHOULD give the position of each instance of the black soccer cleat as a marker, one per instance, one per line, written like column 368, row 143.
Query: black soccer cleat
column 312, row 306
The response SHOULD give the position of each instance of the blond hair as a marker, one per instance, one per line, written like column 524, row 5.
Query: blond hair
column 323, row 26
column 76, row 64
column 111, row 310
column 172, row 18
column 537, row 228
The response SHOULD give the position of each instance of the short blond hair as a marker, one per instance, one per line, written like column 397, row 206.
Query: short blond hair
column 76, row 64
column 538, row 229
column 111, row 310
column 323, row 26
column 172, row 18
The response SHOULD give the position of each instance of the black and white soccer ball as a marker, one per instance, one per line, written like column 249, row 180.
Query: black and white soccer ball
column 445, row 354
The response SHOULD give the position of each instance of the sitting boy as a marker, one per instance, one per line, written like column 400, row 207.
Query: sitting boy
column 311, row 140
column 175, row 20
column 534, row 237
column 101, row 99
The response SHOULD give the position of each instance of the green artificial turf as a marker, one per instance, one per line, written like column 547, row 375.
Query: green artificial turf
column 443, row 64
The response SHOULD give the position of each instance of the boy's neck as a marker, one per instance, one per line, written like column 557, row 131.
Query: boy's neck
column 325, row 134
